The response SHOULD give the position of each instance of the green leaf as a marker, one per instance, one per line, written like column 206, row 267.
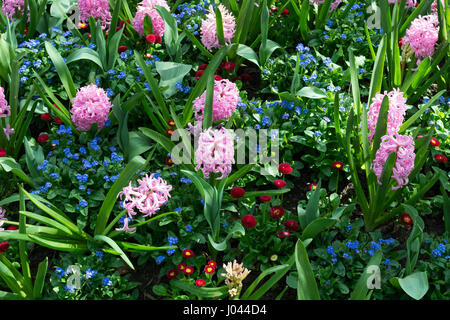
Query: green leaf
column 312, row 208
column 200, row 291
column 113, row 244
column 311, row 92
column 260, row 277
column 62, row 70
column 10, row 165
column 316, row 227
column 85, row 54
column 247, row 53
column 236, row 229
column 171, row 73
column 306, row 283
column 415, row 285
column 40, row 279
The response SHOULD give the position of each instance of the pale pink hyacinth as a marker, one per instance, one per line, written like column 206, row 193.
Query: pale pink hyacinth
column 396, row 112
column 125, row 227
column 236, row 273
column 90, row 105
column 215, row 152
column 404, row 164
column 11, row 7
column 147, row 7
column 5, row 109
column 8, row 131
column 434, row 7
column 408, row 4
column 209, row 28
column 335, row 4
column 147, row 198
column 2, row 218
column 318, row 2
column 226, row 98
column 98, row 9
column 422, row 35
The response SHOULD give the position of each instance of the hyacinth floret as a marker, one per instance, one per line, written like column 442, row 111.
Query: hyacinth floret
column 147, row 198
column 98, row 9
column 5, row 109
column 404, row 147
column 236, row 273
column 147, row 8
column 226, row 98
column 208, row 28
column 215, row 152
column 396, row 113
column 2, row 218
column 12, row 7
column 90, row 105
column 422, row 36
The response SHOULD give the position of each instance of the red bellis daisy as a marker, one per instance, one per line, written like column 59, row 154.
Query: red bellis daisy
column 265, row 198
column 188, row 270
column 122, row 49
column 172, row 273
column 338, row 165
column 212, row 263
column 188, row 253
column 284, row 168
column 440, row 157
column 237, row 192
column 276, row 212
column 209, row 269
column 291, row 225
column 150, row 38
column 43, row 138
column 181, row 266
column 435, row 142
column 312, row 186
column 279, row 183
column 406, row 219
column 199, row 74
column 283, row 234
column 249, row 221
column 200, row 283
column 3, row 247
column 2, row 152
column 46, row 117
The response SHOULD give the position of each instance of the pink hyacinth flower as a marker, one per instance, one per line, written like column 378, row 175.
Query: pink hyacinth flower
column 226, row 98
column 422, row 36
column 8, row 131
column 335, row 4
column 148, row 197
column 98, row 9
column 396, row 113
column 11, row 8
column 2, row 218
column 125, row 226
column 90, row 105
column 215, row 152
column 408, row 4
column 209, row 28
column 404, row 146
column 5, row 109
column 318, row 2
column 147, row 8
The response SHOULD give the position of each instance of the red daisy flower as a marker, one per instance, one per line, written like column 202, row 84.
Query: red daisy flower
column 43, row 138
column 285, row 12
column 406, row 219
column 169, row 132
column 264, row 198
column 284, row 168
column 3, row 247
column 181, row 266
column 291, row 225
column 199, row 74
column 435, row 142
column 276, row 212
column 188, row 270
column 171, row 123
column 209, row 269
column 440, row 157
column 217, row 78
column 172, row 273
column 283, row 234
column 237, row 192
column 279, row 183
column 337, row 165
column 400, row 42
column 13, row 228
column 150, row 38
column 89, row 36
column 46, row 117
column 2, row 152
column 312, row 186
column 58, row 120
column 158, row 39
column 188, row 253
column 122, row 49
column 202, row 67
column 169, row 161
column 249, row 221
column 212, row 263
column 200, row 282
column 229, row 66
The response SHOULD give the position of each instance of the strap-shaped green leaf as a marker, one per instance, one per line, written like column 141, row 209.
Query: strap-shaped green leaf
column 114, row 245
